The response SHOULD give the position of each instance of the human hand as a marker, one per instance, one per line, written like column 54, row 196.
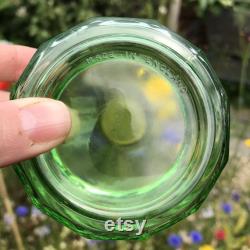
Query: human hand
column 28, row 126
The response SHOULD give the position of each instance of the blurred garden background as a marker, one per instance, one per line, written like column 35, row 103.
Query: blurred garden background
column 222, row 29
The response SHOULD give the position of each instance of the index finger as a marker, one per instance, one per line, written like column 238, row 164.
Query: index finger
column 13, row 60
column 4, row 96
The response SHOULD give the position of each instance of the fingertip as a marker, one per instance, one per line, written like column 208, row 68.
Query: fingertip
column 4, row 96
column 31, row 126
column 13, row 60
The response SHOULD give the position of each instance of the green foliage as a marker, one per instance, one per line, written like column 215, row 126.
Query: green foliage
column 143, row 8
column 32, row 22
column 203, row 5
column 216, row 5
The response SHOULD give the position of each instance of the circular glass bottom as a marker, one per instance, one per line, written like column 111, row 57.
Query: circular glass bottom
column 129, row 126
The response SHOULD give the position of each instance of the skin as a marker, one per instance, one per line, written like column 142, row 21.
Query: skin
column 28, row 126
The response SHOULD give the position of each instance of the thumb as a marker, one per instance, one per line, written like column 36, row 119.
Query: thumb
column 31, row 126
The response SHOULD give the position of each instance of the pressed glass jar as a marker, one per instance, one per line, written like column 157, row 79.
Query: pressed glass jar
column 150, row 128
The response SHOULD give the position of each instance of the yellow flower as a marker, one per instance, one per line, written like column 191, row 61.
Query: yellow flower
column 160, row 93
column 206, row 247
column 158, row 89
column 247, row 142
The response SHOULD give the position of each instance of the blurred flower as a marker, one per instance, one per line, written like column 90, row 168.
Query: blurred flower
column 158, row 89
column 226, row 207
column 196, row 237
column 36, row 215
column 35, row 212
column 185, row 237
column 22, row 211
column 207, row 213
column 172, row 135
column 235, row 196
column 92, row 242
column 65, row 232
column 174, row 240
column 79, row 243
column 49, row 247
column 220, row 234
column 206, row 247
column 42, row 231
column 63, row 245
column 215, row 191
column 192, row 218
column 247, row 143
column 8, row 219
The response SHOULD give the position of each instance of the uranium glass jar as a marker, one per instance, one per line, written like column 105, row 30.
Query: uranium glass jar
column 150, row 128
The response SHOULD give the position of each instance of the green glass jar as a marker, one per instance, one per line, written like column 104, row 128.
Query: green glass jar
column 150, row 128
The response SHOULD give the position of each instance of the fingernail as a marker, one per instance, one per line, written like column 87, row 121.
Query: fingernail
column 45, row 121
